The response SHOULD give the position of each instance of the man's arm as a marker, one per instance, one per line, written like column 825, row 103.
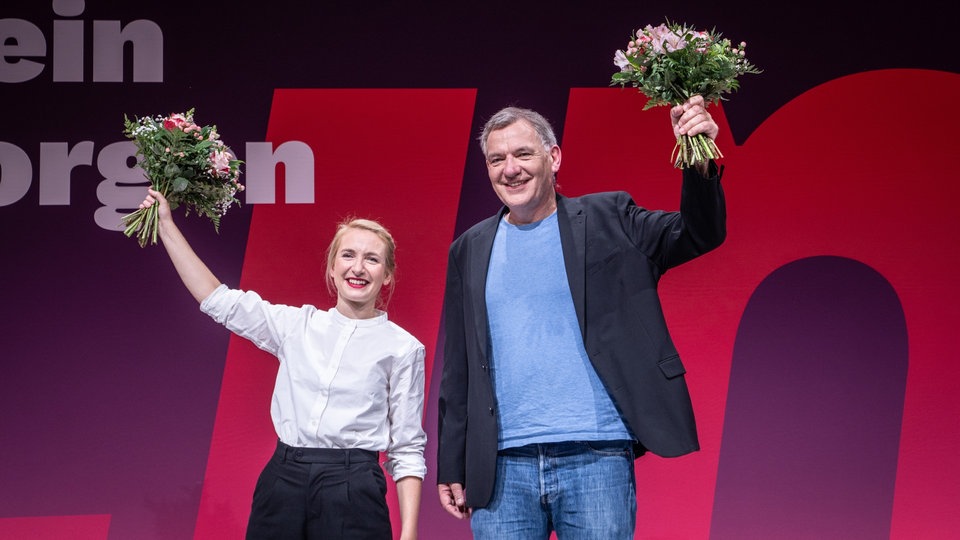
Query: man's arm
column 691, row 118
column 452, row 405
column 452, row 499
column 702, row 202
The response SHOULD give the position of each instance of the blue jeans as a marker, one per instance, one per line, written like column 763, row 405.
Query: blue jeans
column 581, row 490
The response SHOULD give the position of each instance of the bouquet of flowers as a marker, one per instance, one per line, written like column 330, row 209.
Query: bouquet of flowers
column 671, row 63
column 188, row 164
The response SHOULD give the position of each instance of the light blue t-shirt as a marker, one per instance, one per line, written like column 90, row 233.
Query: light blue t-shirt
column 547, row 389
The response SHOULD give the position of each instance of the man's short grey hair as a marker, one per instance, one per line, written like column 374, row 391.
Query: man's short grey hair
column 509, row 116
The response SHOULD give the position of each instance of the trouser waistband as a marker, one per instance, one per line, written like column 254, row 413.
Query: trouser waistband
column 324, row 455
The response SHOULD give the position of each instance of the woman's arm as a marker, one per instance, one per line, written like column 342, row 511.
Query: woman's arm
column 199, row 280
column 408, row 495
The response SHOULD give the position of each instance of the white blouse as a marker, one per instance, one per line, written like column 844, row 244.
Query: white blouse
column 342, row 383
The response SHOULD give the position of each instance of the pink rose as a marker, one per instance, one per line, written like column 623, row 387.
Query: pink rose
column 175, row 121
column 220, row 162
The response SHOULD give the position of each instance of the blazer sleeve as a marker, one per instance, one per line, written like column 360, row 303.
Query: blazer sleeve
column 673, row 238
column 452, row 403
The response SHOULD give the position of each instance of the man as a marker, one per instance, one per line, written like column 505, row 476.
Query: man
column 558, row 367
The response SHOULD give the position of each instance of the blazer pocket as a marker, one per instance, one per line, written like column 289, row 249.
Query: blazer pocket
column 597, row 265
column 672, row 366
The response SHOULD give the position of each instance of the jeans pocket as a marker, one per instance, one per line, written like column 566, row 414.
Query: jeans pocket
column 611, row 448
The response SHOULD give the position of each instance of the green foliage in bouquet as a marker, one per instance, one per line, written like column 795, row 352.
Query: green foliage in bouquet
column 188, row 164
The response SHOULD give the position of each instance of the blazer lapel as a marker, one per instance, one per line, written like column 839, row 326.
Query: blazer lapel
column 572, row 222
column 480, row 264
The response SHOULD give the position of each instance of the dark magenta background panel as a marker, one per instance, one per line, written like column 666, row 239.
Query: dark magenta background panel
column 814, row 406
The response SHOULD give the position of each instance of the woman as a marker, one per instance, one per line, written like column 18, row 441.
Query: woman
column 349, row 385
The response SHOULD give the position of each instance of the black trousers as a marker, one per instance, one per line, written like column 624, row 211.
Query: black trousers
column 324, row 493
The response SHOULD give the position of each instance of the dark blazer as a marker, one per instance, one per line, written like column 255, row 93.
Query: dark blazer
column 615, row 253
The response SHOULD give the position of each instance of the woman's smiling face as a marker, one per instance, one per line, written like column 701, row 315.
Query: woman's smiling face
column 359, row 272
